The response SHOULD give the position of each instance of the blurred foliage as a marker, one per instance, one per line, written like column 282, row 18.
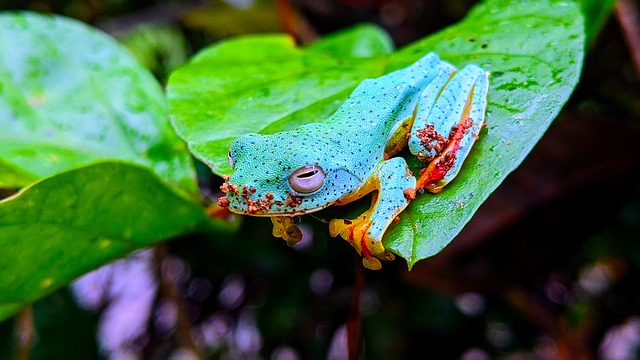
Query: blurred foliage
column 158, row 48
column 86, row 11
column 221, row 20
column 64, row 331
column 596, row 13
column 585, row 241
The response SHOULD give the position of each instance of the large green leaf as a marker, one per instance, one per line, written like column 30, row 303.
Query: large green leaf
column 70, row 96
column 533, row 49
column 71, row 223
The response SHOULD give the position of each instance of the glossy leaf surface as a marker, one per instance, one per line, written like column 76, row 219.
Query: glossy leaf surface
column 70, row 96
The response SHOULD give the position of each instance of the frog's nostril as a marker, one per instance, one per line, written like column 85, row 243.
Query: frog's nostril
column 231, row 162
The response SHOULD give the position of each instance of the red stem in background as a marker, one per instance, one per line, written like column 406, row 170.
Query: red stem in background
column 293, row 23
column 285, row 13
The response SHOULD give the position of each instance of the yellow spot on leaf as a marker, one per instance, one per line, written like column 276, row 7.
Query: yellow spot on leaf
column 47, row 282
column 104, row 243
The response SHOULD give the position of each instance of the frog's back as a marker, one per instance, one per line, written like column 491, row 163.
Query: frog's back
column 363, row 125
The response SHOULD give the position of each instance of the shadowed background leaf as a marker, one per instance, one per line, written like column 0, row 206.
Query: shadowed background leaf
column 71, row 223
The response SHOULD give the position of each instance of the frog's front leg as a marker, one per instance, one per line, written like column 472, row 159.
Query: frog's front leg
column 394, row 185
column 448, row 119
column 285, row 227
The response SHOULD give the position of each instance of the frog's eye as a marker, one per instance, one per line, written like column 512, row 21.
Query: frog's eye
column 307, row 179
column 231, row 162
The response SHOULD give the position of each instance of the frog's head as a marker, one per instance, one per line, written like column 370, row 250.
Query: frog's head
column 287, row 173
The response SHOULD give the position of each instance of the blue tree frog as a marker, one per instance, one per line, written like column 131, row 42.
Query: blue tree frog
column 430, row 106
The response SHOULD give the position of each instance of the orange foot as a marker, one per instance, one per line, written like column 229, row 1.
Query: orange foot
column 355, row 232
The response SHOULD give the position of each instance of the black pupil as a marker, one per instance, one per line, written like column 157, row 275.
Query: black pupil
column 307, row 174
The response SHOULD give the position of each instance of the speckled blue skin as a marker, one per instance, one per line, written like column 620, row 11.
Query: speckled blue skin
column 350, row 147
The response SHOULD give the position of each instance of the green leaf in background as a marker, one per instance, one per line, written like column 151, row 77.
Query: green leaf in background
column 70, row 96
column 159, row 48
column 71, row 223
column 362, row 41
column 533, row 49
column 72, row 100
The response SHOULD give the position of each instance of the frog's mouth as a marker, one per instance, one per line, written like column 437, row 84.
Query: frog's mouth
column 267, row 206
column 244, row 200
column 247, row 210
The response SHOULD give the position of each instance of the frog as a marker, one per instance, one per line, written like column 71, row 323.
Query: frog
column 430, row 107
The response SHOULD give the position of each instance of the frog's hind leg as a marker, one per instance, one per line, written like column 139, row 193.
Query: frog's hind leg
column 447, row 123
column 440, row 76
column 394, row 184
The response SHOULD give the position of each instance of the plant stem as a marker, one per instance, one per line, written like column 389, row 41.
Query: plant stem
column 293, row 23
column 169, row 289
column 24, row 333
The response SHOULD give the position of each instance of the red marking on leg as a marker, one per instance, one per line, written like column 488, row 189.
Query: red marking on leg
column 445, row 160
column 366, row 252
column 365, row 249
column 440, row 166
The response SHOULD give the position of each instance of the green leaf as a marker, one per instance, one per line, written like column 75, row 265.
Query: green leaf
column 71, row 223
column 533, row 49
column 71, row 96
column 160, row 48
column 360, row 41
